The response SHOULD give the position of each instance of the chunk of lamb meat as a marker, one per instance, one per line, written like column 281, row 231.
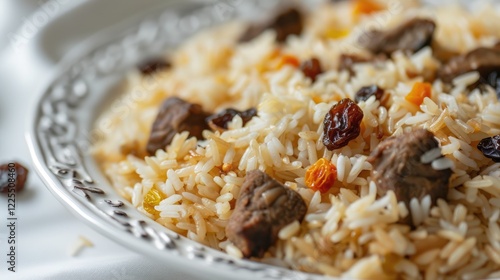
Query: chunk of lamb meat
column 398, row 166
column 285, row 22
column 486, row 61
column 264, row 207
column 176, row 115
column 411, row 36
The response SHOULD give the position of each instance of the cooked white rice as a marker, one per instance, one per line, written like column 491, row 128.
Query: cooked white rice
column 348, row 231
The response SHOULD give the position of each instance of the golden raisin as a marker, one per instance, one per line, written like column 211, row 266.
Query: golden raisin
column 151, row 199
column 419, row 92
column 226, row 167
column 321, row 175
column 288, row 59
column 336, row 33
column 365, row 7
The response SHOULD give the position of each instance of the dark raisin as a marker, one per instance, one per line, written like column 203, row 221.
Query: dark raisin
column 311, row 68
column 12, row 174
column 490, row 147
column 152, row 66
column 342, row 124
column 366, row 92
column 220, row 120
column 285, row 22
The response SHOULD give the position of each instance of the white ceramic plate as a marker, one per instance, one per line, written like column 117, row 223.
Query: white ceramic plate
column 61, row 132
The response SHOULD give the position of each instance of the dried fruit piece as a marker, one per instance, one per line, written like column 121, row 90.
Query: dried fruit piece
column 220, row 120
column 490, row 147
column 152, row 199
column 366, row 92
column 321, row 175
column 342, row 124
column 152, row 66
column 419, row 92
column 12, row 175
column 365, row 7
column 311, row 68
column 336, row 33
column 286, row 22
column 288, row 59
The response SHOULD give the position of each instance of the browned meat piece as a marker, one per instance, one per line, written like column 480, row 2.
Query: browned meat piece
column 285, row 22
column 484, row 60
column 12, row 177
column 152, row 66
column 220, row 120
column 176, row 115
column 397, row 166
column 409, row 37
column 264, row 207
column 347, row 61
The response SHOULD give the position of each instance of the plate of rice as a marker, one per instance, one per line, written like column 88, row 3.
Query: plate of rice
column 287, row 139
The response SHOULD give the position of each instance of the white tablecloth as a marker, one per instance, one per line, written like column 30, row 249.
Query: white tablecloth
column 46, row 231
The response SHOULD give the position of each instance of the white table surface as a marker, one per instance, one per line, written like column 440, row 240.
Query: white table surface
column 46, row 230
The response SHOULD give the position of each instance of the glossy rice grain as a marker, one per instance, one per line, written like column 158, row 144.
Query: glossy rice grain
column 353, row 229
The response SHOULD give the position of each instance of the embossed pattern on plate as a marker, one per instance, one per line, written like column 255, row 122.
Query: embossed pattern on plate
column 61, row 132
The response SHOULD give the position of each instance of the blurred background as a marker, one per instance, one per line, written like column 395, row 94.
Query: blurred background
column 35, row 36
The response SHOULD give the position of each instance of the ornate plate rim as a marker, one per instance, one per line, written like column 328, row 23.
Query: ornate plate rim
column 102, row 211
